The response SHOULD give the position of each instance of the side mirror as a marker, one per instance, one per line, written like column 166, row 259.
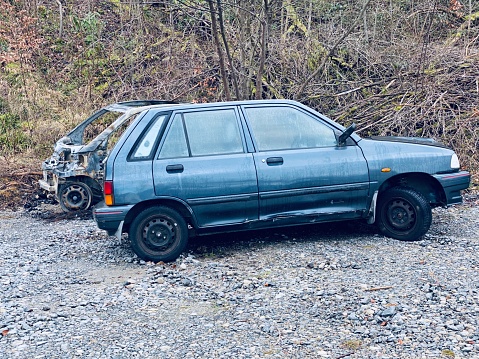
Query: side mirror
column 344, row 136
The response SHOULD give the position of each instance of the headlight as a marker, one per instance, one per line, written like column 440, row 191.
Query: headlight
column 455, row 162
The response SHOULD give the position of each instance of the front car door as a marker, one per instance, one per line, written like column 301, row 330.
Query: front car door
column 301, row 169
column 202, row 161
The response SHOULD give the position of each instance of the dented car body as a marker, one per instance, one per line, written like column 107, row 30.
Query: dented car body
column 74, row 172
column 193, row 169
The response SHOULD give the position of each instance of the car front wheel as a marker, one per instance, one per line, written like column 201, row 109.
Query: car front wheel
column 158, row 234
column 403, row 214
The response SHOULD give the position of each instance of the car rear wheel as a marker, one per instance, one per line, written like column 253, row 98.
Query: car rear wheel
column 158, row 234
column 403, row 214
column 75, row 196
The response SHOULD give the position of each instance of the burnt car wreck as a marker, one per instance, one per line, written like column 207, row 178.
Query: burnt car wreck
column 74, row 172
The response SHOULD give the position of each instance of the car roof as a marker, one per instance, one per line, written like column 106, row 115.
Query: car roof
column 187, row 106
column 126, row 105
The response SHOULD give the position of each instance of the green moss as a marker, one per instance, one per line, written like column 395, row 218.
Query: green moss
column 448, row 353
column 352, row 344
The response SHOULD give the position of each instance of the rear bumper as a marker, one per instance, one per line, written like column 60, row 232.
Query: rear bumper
column 453, row 184
column 110, row 218
column 49, row 182
column 46, row 186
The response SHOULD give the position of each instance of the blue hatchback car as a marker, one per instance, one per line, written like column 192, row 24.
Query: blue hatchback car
column 181, row 170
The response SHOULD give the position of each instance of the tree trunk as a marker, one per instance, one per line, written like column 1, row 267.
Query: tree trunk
column 214, row 29
column 60, row 8
column 263, row 54
column 227, row 49
column 262, row 60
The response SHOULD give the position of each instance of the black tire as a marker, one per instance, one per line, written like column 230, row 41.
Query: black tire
column 403, row 214
column 75, row 196
column 158, row 234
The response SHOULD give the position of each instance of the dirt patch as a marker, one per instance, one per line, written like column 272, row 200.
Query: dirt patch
column 18, row 180
column 20, row 189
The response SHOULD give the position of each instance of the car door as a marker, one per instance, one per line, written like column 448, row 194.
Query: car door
column 301, row 170
column 202, row 161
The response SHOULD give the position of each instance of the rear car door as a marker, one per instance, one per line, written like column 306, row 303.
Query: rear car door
column 202, row 161
column 301, row 170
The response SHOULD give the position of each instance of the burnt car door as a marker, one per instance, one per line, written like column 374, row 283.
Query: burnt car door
column 202, row 160
column 300, row 167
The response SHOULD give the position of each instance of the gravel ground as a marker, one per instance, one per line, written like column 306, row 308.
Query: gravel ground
column 322, row 291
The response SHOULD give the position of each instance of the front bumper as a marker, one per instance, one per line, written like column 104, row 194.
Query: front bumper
column 453, row 184
column 110, row 219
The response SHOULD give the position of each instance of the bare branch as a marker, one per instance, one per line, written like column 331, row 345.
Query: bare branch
column 301, row 89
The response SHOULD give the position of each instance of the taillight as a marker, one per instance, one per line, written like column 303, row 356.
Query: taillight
column 108, row 191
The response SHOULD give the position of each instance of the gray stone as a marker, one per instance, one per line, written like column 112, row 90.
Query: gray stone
column 228, row 307
column 389, row 312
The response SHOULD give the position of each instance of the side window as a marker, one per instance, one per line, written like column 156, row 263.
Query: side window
column 213, row 132
column 278, row 128
column 144, row 148
column 175, row 141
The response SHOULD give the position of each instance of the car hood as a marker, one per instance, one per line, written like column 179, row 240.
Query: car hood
column 414, row 140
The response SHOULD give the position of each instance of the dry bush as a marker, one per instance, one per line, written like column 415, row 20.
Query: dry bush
column 439, row 102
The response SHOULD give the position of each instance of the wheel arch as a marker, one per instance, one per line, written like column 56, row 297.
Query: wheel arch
column 90, row 182
column 423, row 183
column 95, row 186
column 182, row 208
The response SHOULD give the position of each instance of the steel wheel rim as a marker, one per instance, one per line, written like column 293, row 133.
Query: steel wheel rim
column 159, row 234
column 76, row 196
column 400, row 215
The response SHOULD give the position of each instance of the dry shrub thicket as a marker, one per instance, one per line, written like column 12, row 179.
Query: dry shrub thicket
column 400, row 67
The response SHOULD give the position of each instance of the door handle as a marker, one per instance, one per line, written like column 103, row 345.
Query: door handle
column 174, row 168
column 274, row 161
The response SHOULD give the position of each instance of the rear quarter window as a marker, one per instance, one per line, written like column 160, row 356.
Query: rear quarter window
column 145, row 146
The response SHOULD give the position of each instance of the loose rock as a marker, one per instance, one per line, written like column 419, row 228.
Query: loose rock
column 321, row 291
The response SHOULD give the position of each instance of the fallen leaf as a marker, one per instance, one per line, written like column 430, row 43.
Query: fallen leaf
column 4, row 332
